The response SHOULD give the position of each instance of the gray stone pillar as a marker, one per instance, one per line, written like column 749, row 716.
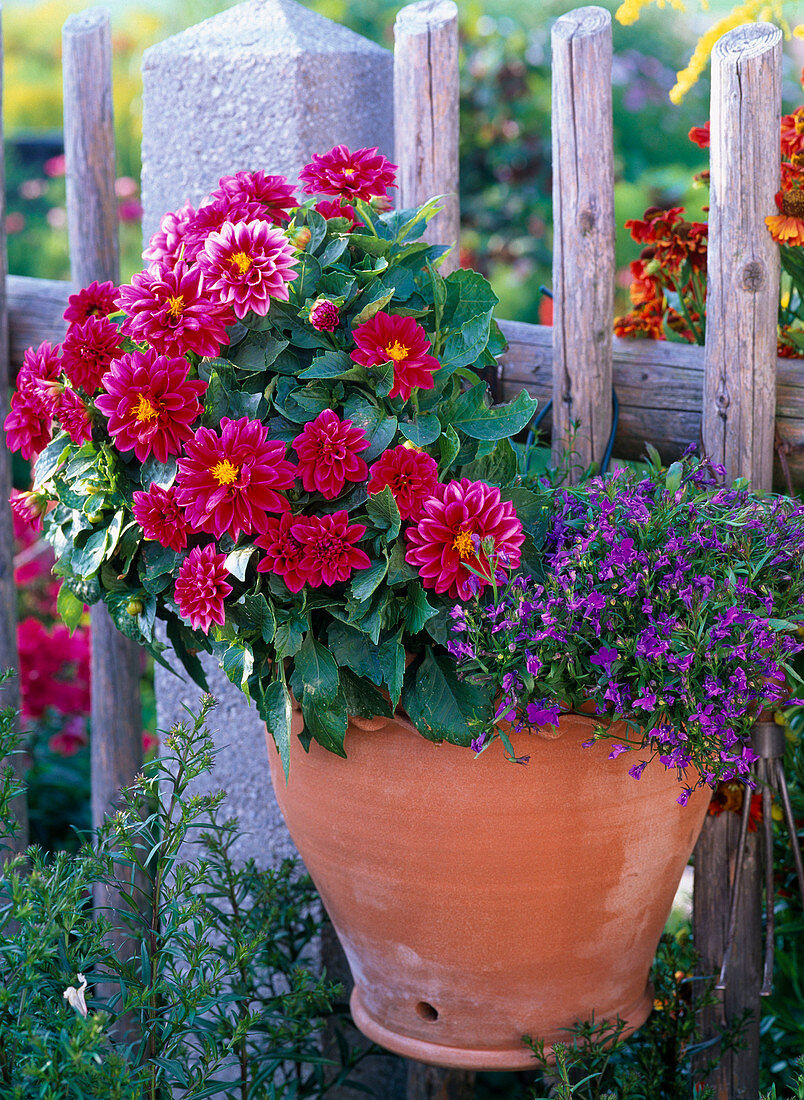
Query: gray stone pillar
column 263, row 85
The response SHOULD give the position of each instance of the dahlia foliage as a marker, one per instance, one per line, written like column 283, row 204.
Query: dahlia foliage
column 277, row 441
column 668, row 281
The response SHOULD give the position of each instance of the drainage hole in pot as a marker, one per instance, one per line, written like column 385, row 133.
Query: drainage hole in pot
column 426, row 1011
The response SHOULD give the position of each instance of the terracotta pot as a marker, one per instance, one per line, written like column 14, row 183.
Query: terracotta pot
column 479, row 900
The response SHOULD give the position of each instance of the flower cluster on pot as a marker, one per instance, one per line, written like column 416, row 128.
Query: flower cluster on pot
column 277, row 441
column 666, row 601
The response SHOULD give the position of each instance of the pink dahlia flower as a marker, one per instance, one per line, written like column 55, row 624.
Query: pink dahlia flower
column 334, row 208
column 212, row 215
column 166, row 246
column 358, row 175
column 170, row 310
column 273, row 193
column 160, row 517
column 28, row 507
column 228, row 482
column 88, row 350
column 27, row 427
column 390, row 338
column 151, row 404
column 284, row 554
column 463, row 522
column 325, row 315
column 95, row 300
column 247, row 264
column 412, row 476
column 71, row 738
column 72, row 414
column 328, row 450
column 37, row 378
column 201, row 588
column 329, row 551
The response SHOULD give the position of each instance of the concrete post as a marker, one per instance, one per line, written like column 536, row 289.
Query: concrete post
column 263, row 85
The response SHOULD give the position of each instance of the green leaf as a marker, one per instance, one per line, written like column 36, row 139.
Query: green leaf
column 417, row 609
column 327, row 723
column 450, row 446
column 351, row 648
column 289, row 637
column 69, row 607
column 162, row 474
column 673, row 477
column 398, row 569
column 468, row 296
column 362, row 698
column 87, row 559
column 315, row 671
column 258, row 614
column 373, row 308
column 276, row 710
column 499, row 468
column 383, row 512
column 391, row 656
column 365, row 581
column 49, row 459
column 472, row 416
column 441, row 706
column 423, row 430
column 372, row 246
column 238, row 664
column 307, row 278
column 331, row 364
column 531, row 509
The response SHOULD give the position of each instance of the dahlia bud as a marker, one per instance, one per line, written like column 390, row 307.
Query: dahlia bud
column 134, row 607
column 300, row 237
column 381, row 203
column 324, row 315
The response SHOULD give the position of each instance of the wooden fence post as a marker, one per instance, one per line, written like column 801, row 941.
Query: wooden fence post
column 9, row 658
column 583, row 235
column 426, row 117
column 738, row 431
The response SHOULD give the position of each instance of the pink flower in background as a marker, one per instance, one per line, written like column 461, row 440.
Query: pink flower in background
column 87, row 351
column 247, row 264
column 273, row 193
column 55, row 166
column 160, row 517
column 412, row 476
column 129, row 211
column 329, row 554
column 151, row 404
column 328, row 450
column 170, row 310
column 72, row 414
column 71, row 737
column 54, row 669
column 334, row 208
column 358, row 175
column 167, row 243
column 392, row 338
column 447, row 544
column 228, row 483
column 201, row 588
column 150, row 742
column 284, row 554
column 95, row 300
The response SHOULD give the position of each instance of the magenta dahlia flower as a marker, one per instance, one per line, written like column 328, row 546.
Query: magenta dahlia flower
column 358, row 175
column 334, row 208
column 247, row 264
column 329, row 551
column 88, row 350
column 160, row 517
column 324, row 315
column 27, row 426
column 72, row 414
column 38, row 376
column 228, row 482
column 151, row 404
column 412, row 476
column 390, row 338
column 95, row 300
column 273, row 193
column 463, row 524
column 212, row 215
column 284, row 554
column 170, row 310
column 28, row 507
column 328, row 450
column 166, row 246
column 201, row 588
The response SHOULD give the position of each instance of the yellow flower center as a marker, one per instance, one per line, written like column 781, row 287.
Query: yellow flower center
column 397, row 351
column 349, row 171
column 225, row 472
column 242, row 261
column 143, row 409
column 175, row 306
column 463, row 544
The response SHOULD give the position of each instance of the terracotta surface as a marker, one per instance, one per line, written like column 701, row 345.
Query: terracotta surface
column 479, row 900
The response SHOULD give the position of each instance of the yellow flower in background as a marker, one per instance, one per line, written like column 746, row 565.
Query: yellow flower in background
column 750, row 11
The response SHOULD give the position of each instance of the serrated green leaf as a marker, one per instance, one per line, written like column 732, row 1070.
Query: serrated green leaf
column 365, row 581
column 276, row 710
column 289, row 637
column 475, row 418
column 371, row 309
column 383, row 512
column 441, row 706
column 391, row 657
column 423, row 430
column 162, row 474
column 316, row 671
column 69, row 607
column 326, row 723
column 362, row 698
column 417, row 609
column 330, row 364
column 238, row 664
column 351, row 648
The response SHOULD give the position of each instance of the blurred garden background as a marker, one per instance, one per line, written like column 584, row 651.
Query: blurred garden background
column 506, row 233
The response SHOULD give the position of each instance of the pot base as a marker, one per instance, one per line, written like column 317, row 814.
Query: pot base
column 515, row 1058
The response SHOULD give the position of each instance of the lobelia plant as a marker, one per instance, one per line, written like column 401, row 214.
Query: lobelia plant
column 277, row 442
column 666, row 601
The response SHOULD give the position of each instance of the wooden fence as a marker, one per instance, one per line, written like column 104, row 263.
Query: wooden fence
column 728, row 394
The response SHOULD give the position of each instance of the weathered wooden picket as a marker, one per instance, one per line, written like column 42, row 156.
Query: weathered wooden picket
column 728, row 394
